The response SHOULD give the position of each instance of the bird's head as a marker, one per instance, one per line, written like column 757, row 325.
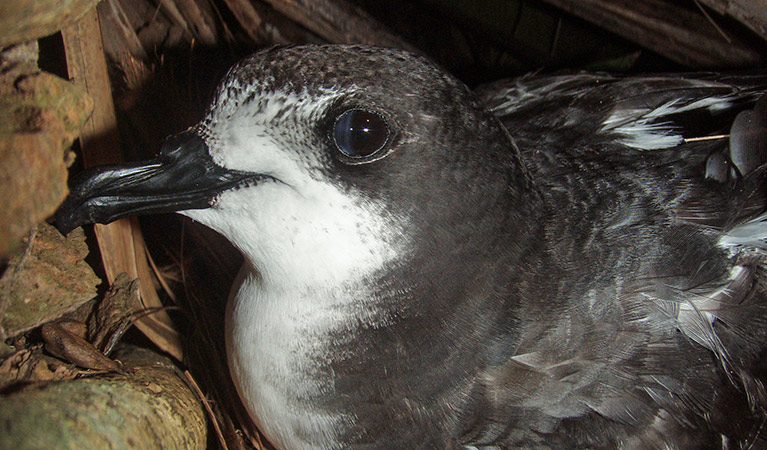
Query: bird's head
column 321, row 162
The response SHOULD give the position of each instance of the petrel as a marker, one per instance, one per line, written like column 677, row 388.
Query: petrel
column 566, row 261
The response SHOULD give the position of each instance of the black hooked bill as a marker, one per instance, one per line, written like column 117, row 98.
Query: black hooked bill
column 183, row 176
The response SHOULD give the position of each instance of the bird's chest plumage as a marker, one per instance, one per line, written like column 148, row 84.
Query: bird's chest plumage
column 279, row 350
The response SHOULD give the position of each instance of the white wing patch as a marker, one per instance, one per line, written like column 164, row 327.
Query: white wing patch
column 650, row 128
column 695, row 311
column 521, row 93
column 748, row 234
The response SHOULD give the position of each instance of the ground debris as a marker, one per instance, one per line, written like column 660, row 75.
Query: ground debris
column 46, row 281
column 28, row 364
column 69, row 347
column 149, row 407
column 112, row 315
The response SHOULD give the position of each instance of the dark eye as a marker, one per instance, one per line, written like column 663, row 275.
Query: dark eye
column 359, row 133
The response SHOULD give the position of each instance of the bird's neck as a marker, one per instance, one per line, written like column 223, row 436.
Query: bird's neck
column 327, row 345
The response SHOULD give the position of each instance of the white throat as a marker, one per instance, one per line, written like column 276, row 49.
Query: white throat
column 313, row 249
column 312, row 256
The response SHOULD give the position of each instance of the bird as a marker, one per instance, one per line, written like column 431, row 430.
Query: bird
column 574, row 260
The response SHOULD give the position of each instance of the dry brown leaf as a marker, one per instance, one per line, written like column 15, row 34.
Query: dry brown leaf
column 112, row 315
column 71, row 348
column 48, row 280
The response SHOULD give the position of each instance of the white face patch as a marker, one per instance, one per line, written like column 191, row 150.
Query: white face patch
column 315, row 248
column 305, row 236
column 301, row 227
column 316, row 251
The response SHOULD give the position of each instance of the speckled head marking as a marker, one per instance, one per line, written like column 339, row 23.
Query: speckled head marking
column 301, row 89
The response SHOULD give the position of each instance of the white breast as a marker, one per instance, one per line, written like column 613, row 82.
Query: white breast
column 273, row 341
column 312, row 255
column 312, row 248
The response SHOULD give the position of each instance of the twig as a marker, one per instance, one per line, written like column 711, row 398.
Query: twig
column 160, row 277
column 706, row 138
column 208, row 409
column 705, row 13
